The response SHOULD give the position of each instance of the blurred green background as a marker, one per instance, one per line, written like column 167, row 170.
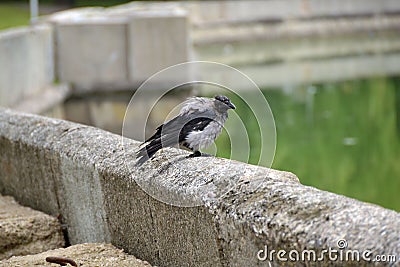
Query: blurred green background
column 341, row 137
column 13, row 15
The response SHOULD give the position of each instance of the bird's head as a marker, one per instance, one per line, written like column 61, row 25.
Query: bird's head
column 224, row 102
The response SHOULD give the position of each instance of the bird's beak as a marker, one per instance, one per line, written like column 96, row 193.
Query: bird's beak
column 232, row 106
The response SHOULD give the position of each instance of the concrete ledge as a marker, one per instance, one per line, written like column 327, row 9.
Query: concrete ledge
column 83, row 255
column 26, row 62
column 87, row 175
column 25, row 231
column 285, row 31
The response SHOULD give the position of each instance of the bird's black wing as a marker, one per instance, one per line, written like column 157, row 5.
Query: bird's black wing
column 196, row 124
column 195, row 121
column 174, row 132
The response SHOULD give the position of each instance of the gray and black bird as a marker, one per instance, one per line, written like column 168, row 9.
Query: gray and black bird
column 197, row 125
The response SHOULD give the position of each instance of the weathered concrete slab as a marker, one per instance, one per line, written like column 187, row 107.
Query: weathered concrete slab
column 26, row 62
column 25, row 231
column 90, row 254
column 241, row 208
column 157, row 40
column 92, row 51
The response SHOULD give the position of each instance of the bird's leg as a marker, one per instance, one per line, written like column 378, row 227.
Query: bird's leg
column 195, row 154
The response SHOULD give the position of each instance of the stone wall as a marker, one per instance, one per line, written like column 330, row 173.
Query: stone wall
column 88, row 176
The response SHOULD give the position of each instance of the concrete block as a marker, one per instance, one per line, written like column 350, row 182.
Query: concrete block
column 26, row 62
column 88, row 196
column 25, row 231
column 17, row 170
column 240, row 208
column 91, row 254
column 92, row 52
column 157, row 40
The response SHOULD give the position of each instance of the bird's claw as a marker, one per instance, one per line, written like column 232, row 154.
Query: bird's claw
column 195, row 154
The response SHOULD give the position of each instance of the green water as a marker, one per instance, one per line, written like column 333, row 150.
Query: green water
column 341, row 137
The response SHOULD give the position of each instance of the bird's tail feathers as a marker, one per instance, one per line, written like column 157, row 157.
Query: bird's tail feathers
column 147, row 151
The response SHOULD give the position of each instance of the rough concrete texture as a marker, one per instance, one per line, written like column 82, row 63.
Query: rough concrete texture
column 26, row 62
column 88, row 176
column 26, row 231
column 90, row 254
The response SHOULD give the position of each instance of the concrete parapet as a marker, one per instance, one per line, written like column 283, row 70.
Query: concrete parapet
column 214, row 12
column 26, row 62
column 25, row 231
column 144, row 38
column 88, row 176
column 203, row 13
column 90, row 254
column 118, row 50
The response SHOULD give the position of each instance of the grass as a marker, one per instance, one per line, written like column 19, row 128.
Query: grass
column 13, row 16
column 16, row 13
column 344, row 138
